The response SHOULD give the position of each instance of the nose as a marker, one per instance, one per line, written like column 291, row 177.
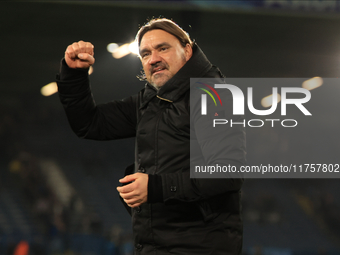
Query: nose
column 155, row 58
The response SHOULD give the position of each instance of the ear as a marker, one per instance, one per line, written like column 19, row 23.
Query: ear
column 187, row 52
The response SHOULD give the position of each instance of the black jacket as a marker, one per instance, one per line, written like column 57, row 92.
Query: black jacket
column 190, row 216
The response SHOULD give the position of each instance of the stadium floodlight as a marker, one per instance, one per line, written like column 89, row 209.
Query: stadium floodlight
column 49, row 89
column 112, row 47
column 312, row 83
column 52, row 88
column 124, row 49
column 268, row 100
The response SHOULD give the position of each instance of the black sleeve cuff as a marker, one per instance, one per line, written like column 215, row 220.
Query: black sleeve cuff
column 155, row 189
column 67, row 73
column 72, row 81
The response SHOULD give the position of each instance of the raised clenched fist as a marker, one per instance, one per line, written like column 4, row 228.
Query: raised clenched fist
column 79, row 55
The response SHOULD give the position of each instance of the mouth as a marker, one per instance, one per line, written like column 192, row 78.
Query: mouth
column 158, row 70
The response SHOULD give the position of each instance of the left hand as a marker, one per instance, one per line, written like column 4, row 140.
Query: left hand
column 135, row 193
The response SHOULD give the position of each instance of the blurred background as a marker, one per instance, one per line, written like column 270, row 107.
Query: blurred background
column 58, row 192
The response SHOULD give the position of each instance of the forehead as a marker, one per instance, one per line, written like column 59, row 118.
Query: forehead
column 154, row 37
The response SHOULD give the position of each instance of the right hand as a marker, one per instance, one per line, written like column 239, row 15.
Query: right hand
column 79, row 55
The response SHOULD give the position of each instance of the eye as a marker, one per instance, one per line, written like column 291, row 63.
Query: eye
column 145, row 54
column 163, row 48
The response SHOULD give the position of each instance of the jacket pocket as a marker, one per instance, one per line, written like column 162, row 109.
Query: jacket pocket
column 213, row 207
column 208, row 210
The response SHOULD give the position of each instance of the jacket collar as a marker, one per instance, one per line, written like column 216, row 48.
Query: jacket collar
column 174, row 88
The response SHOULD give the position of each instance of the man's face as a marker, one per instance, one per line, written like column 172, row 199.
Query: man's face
column 162, row 56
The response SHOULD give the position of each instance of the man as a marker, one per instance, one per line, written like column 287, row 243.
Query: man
column 171, row 213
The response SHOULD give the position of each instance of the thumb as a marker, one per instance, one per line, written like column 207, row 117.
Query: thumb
column 86, row 60
column 128, row 178
column 85, row 56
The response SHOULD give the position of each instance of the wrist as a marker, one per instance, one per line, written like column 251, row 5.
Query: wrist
column 68, row 73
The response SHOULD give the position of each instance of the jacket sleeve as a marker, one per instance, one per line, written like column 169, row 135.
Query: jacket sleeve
column 221, row 145
column 114, row 120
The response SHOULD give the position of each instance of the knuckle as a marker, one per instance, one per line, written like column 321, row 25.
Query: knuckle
column 69, row 48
